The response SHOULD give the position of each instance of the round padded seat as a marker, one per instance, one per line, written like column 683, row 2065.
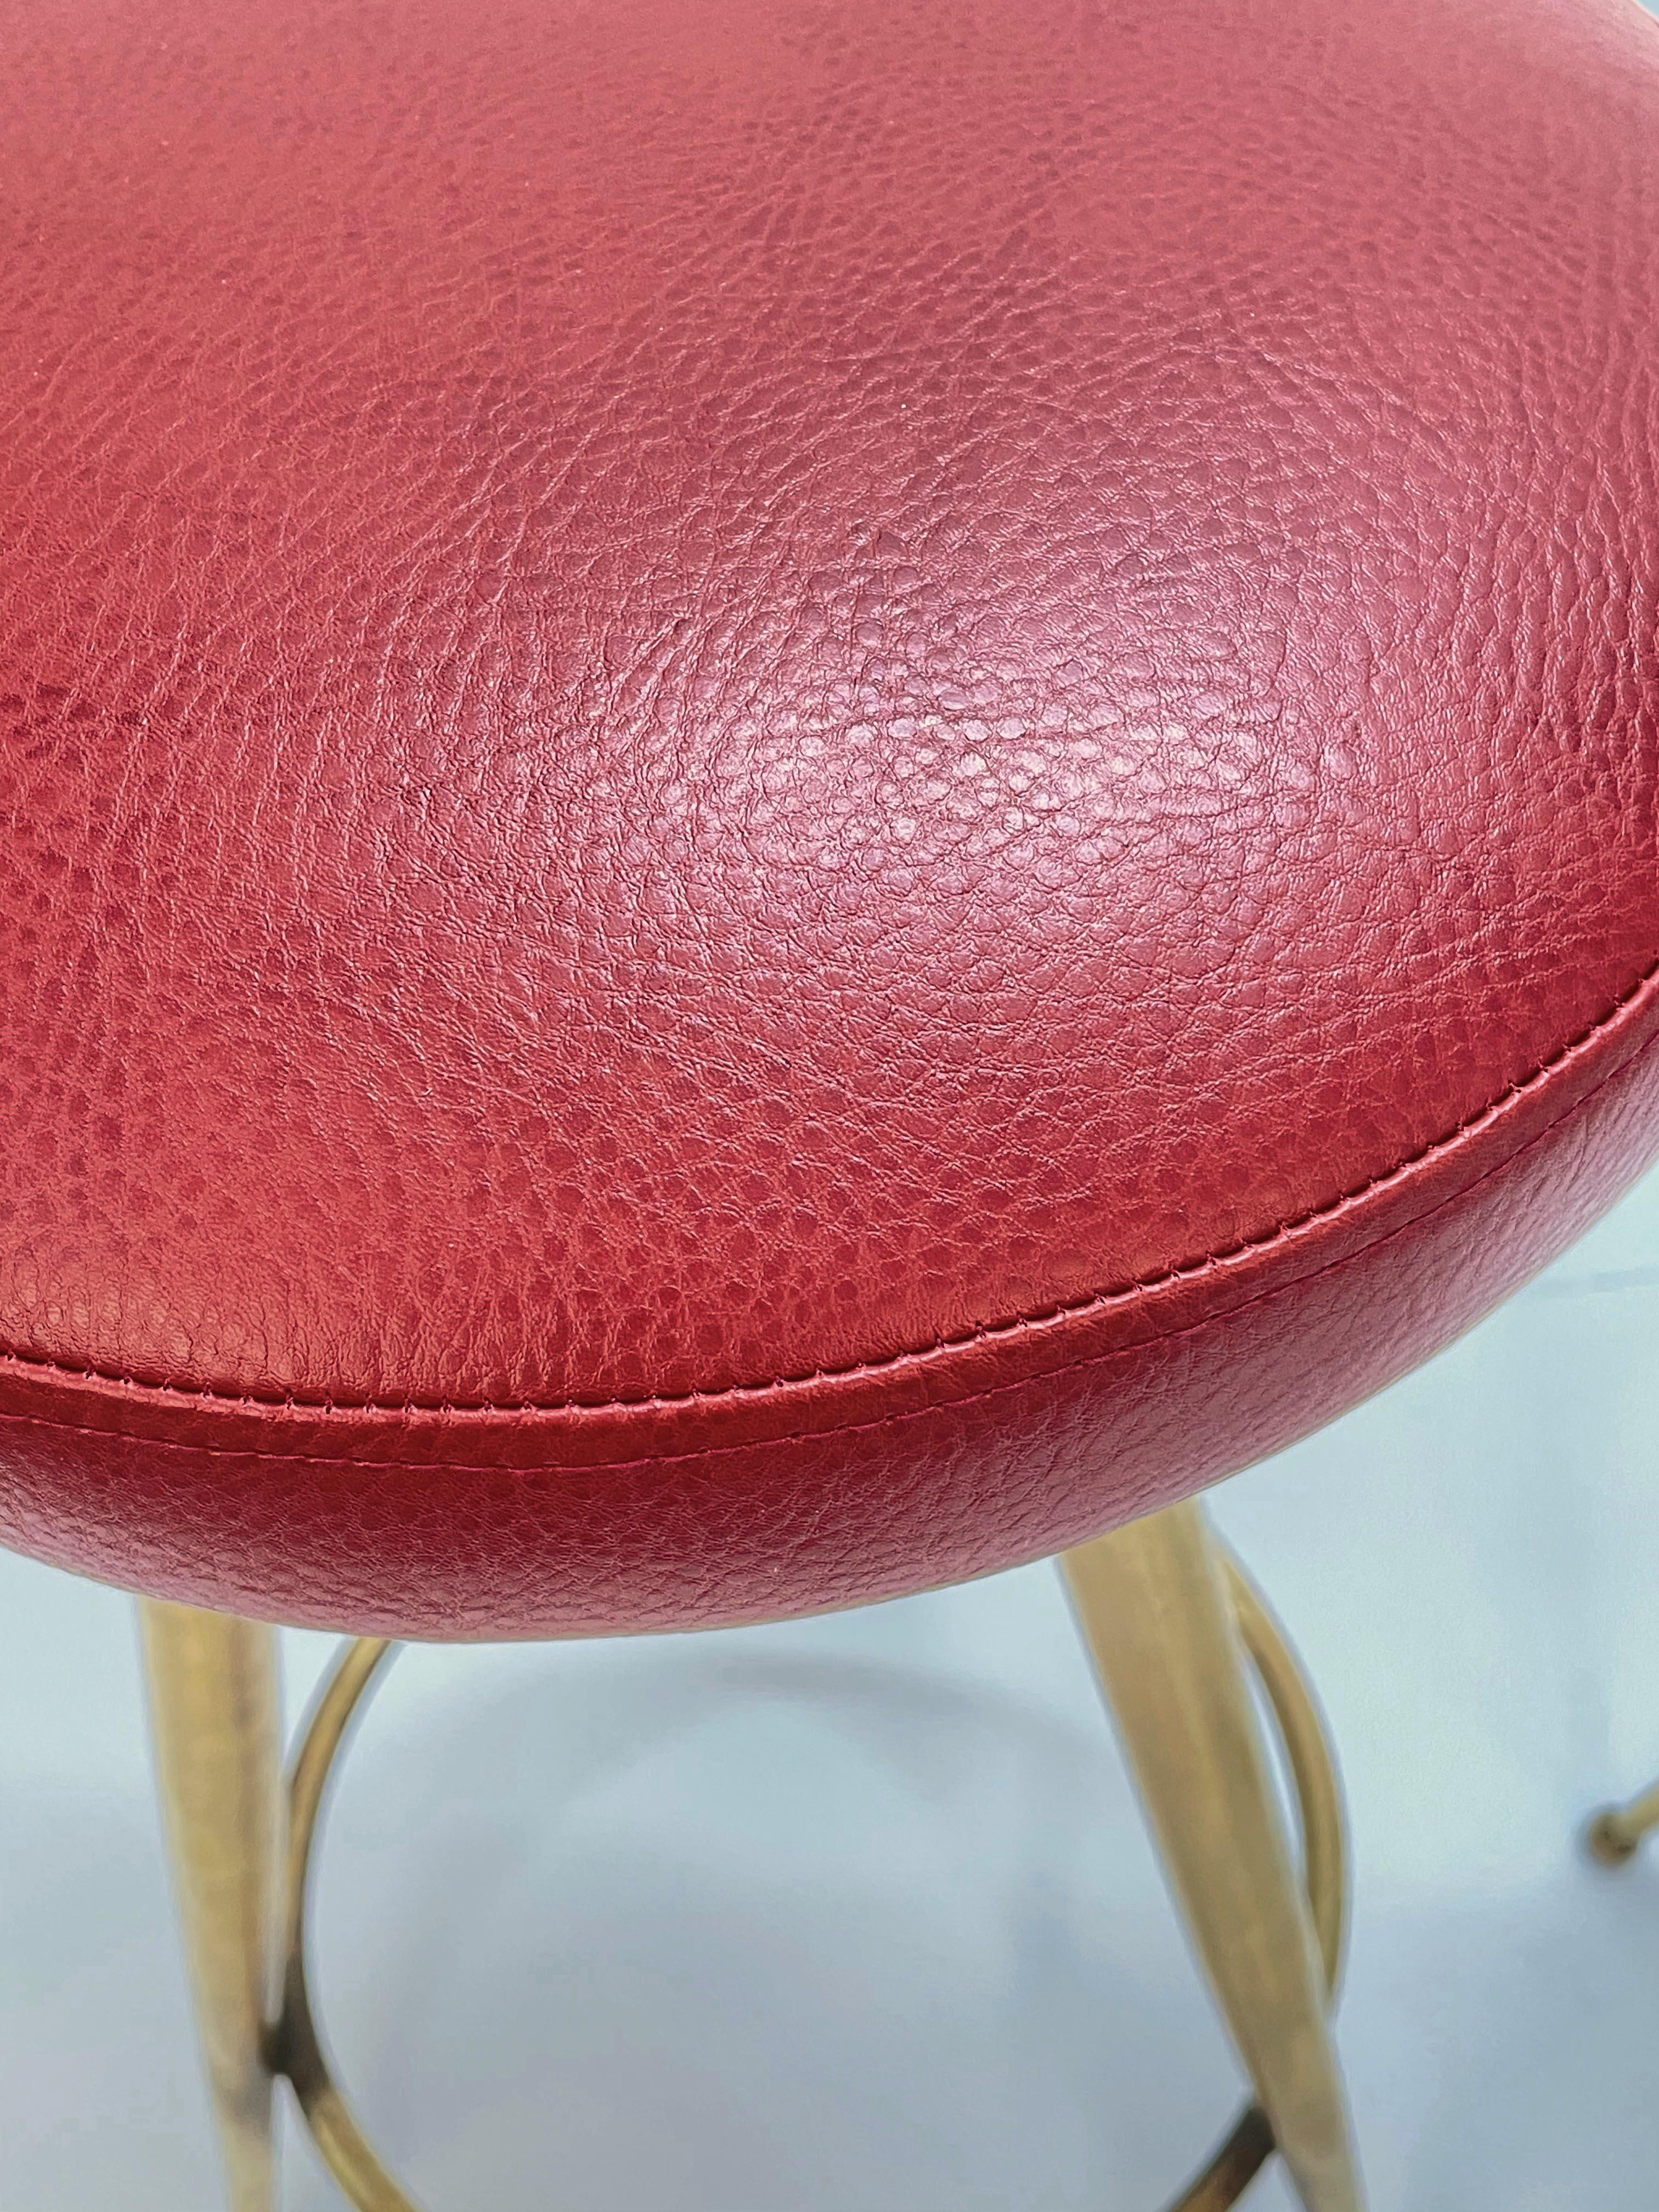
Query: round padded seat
column 797, row 794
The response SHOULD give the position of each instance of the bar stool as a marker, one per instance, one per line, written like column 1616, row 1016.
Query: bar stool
column 798, row 799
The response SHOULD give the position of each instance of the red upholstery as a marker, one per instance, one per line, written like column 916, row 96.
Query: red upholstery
column 797, row 792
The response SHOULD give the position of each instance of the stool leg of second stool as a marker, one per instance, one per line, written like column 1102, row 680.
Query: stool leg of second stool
column 1617, row 1831
column 1153, row 1606
column 216, row 1713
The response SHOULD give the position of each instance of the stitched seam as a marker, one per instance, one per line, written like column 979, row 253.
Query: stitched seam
column 986, row 1332
column 833, row 1431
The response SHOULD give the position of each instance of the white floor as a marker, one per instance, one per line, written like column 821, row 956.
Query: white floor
column 857, row 1915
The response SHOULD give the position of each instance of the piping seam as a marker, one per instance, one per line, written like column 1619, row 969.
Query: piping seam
column 987, row 1332
column 833, row 1431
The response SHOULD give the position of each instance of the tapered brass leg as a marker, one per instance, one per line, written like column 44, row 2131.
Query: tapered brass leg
column 1154, row 1605
column 217, row 1717
column 1615, row 1834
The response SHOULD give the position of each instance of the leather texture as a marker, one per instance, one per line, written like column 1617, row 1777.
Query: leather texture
column 797, row 795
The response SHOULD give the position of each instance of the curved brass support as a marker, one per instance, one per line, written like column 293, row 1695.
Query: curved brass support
column 296, row 2044
column 296, row 2047
column 1312, row 1762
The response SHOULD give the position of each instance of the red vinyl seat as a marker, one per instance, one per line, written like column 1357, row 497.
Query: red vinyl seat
column 797, row 795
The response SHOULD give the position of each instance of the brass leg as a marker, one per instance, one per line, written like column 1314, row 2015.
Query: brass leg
column 1615, row 1834
column 1152, row 1603
column 215, row 1715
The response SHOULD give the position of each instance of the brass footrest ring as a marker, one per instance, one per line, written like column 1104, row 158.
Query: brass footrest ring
column 1312, row 1761
column 296, row 2049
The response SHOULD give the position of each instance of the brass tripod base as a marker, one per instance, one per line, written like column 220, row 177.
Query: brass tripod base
column 1168, row 1619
